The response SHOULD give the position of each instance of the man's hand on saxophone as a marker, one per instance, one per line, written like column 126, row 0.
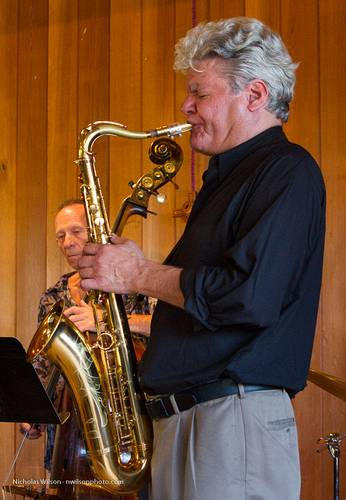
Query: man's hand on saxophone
column 122, row 268
column 82, row 316
column 111, row 267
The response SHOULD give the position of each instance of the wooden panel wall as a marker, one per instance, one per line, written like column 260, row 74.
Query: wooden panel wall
column 304, row 128
column 8, row 181
column 333, row 146
column 65, row 63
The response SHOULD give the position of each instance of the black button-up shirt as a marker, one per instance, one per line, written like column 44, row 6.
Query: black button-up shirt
column 252, row 261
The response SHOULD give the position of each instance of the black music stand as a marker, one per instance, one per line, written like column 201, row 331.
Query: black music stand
column 22, row 395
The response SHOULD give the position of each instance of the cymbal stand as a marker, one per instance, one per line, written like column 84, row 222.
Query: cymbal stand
column 332, row 442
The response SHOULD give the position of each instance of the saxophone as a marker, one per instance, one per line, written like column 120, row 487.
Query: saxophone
column 102, row 377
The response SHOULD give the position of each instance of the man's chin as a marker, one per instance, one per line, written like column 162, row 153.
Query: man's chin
column 199, row 142
column 200, row 147
column 73, row 262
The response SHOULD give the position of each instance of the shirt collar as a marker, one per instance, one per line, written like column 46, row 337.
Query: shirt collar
column 225, row 162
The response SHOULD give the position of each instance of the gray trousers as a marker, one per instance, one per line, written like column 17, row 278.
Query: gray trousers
column 241, row 447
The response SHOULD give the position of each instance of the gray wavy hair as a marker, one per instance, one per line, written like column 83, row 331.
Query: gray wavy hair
column 251, row 50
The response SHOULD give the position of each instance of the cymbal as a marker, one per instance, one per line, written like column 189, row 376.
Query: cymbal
column 329, row 383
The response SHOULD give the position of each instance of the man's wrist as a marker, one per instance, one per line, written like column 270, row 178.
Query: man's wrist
column 142, row 279
column 160, row 281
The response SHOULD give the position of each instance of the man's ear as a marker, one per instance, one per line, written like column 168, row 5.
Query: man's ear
column 257, row 95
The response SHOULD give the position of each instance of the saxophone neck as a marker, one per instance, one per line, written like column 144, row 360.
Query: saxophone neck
column 94, row 130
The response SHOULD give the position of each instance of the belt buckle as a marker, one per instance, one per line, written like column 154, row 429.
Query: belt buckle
column 156, row 406
column 166, row 405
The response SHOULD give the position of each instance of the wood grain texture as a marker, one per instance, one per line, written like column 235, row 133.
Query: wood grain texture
column 222, row 9
column 333, row 160
column 62, row 131
column 190, row 177
column 268, row 11
column 93, row 76
column 65, row 64
column 31, row 188
column 300, row 32
column 8, row 166
column 158, row 109
column 186, row 178
column 126, row 106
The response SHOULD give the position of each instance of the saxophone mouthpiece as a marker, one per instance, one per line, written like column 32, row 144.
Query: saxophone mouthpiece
column 170, row 130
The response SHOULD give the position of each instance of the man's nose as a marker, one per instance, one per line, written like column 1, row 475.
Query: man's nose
column 69, row 240
column 189, row 106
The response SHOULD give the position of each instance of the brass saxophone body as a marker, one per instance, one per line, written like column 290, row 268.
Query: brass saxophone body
column 102, row 377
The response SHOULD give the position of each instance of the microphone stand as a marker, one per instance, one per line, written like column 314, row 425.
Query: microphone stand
column 332, row 442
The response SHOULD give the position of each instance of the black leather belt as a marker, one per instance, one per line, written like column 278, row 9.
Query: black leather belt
column 166, row 405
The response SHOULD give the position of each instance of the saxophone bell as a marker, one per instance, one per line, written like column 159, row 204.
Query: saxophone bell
column 121, row 467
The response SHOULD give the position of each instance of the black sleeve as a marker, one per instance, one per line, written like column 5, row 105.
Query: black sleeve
column 275, row 233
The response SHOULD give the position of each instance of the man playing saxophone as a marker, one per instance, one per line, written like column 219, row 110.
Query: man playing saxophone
column 232, row 333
